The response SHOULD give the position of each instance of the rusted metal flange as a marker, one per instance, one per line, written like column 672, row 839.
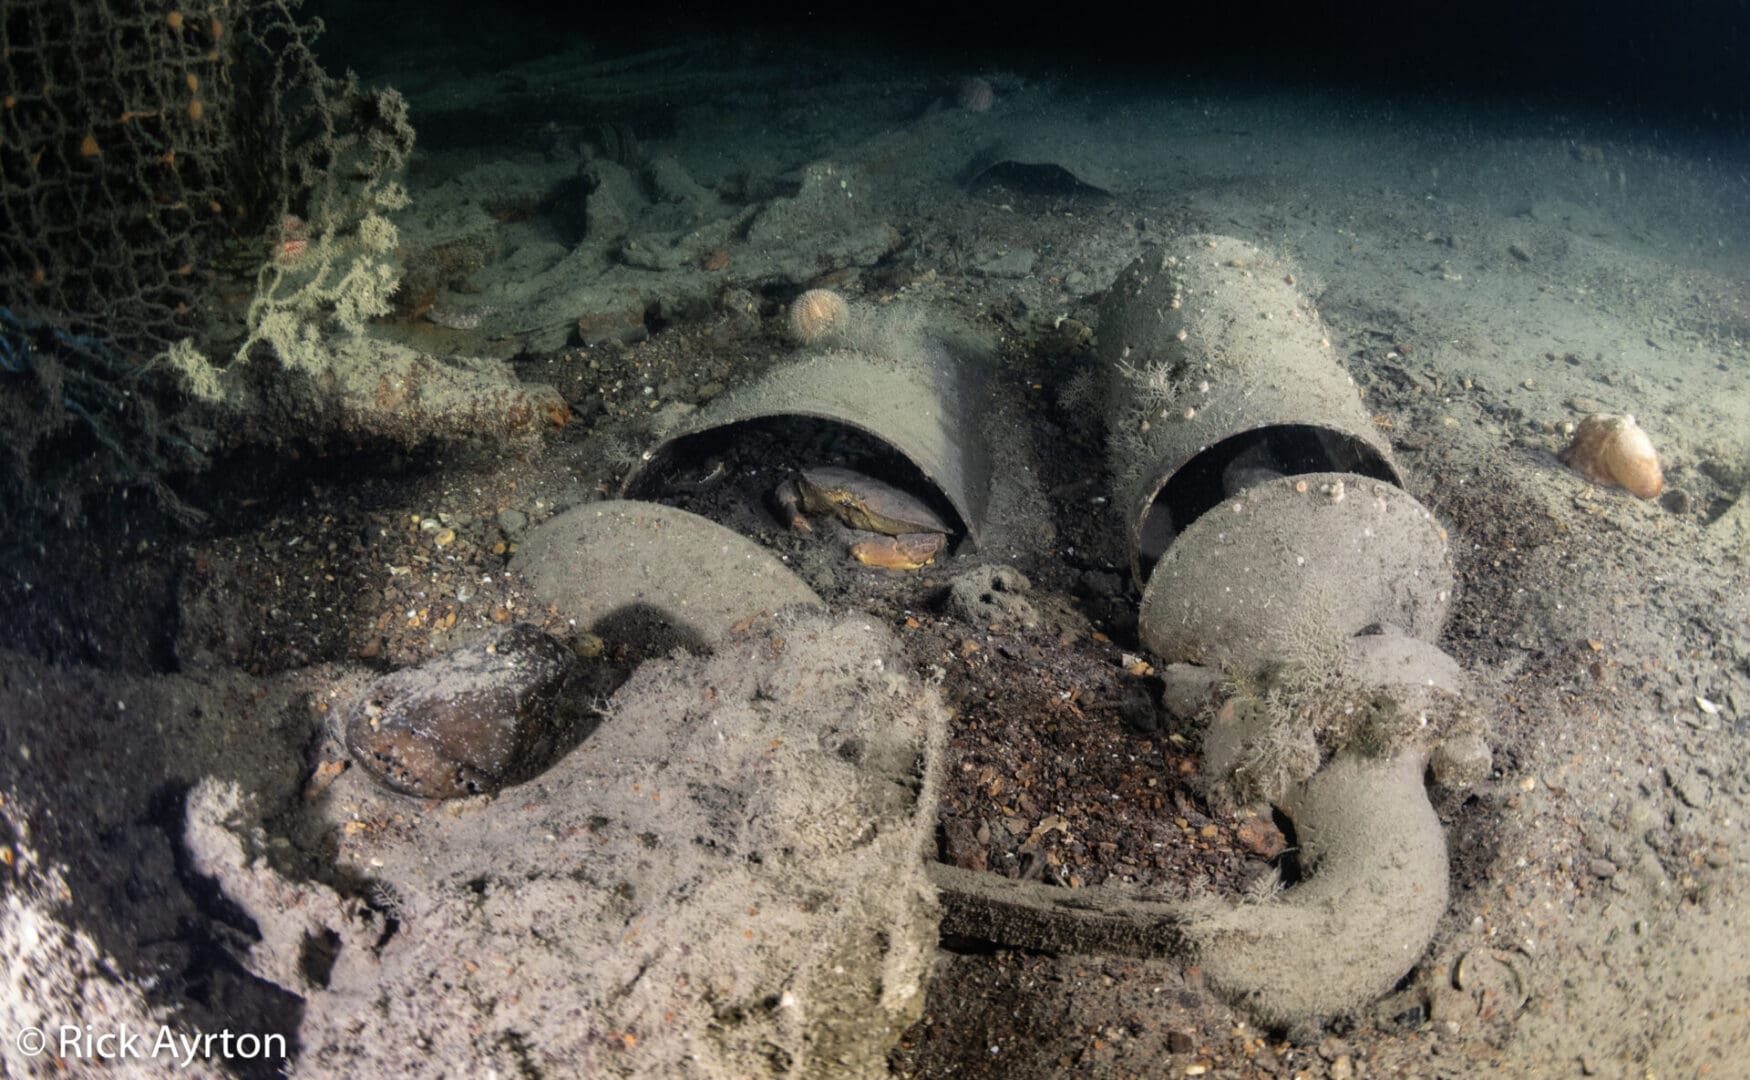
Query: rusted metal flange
column 654, row 577
column 1320, row 554
column 1393, row 659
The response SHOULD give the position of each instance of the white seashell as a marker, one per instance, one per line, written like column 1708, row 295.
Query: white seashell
column 1614, row 451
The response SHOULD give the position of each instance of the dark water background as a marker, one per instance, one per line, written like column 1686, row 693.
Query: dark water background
column 1683, row 64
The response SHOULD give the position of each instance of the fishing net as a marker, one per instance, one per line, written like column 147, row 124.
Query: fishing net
column 171, row 180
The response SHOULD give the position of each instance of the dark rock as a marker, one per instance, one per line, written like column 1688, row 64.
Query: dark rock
column 489, row 714
column 962, row 846
column 1103, row 584
column 1139, row 709
column 738, row 315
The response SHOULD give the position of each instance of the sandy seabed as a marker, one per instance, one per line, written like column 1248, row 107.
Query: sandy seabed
column 1485, row 278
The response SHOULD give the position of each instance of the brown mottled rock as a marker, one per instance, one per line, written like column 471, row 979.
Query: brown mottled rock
column 1261, row 837
column 492, row 713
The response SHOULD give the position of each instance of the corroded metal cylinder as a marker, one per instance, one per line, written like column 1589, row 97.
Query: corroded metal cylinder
column 1273, row 541
column 1246, row 467
column 926, row 405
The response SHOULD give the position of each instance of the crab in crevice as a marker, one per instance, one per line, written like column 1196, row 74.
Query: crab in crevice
column 903, row 533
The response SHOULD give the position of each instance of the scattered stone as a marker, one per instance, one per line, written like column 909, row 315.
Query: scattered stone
column 975, row 94
column 1011, row 264
column 1100, row 583
column 1601, row 868
column 616, row 323
column 512, row 522
column 965, row 844
column 588, row 646
column 1189, row 689
column 481, row 717
column 1261, row 837
column 325, row 775
column 1449, row 1006
column 1181, row 1042
column 1461, row 761
column 608, row 208
column 670, row 182
column 993, row 595
column 1689, row 787
column 1138, row 709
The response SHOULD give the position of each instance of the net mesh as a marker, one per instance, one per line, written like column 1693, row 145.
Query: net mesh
column 175, row 180
column 115, row 206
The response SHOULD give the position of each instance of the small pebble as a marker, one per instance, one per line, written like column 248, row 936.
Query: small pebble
column 1461, row 761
